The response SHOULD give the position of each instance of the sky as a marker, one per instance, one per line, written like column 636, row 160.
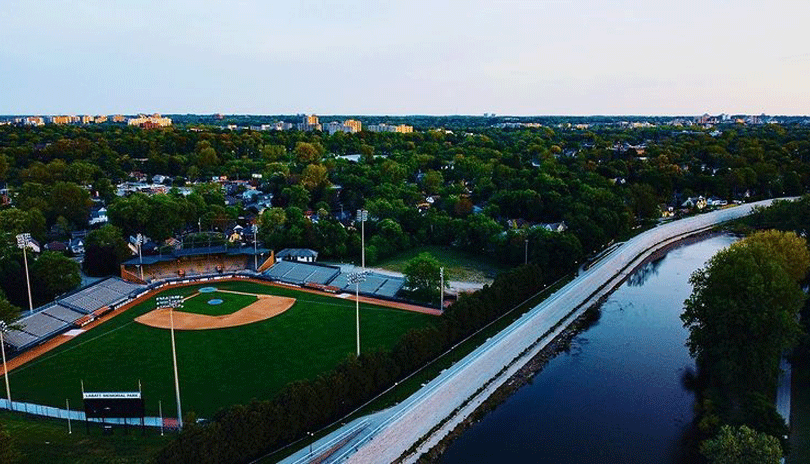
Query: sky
column 510, row 57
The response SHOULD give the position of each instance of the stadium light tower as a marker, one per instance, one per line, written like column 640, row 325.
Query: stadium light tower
column 3, row 329
column 362, row 217
column 24, row 241
column 173, row 302
column 139, row 242
column 355, row 278
column 255, row 230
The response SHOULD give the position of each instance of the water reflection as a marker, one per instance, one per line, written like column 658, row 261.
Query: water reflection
column 643, row 274
column 620, row 393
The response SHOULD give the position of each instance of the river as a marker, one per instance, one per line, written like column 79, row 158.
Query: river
column 617, row 395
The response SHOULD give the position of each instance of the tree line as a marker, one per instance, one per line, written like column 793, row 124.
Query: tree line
column 747, row 310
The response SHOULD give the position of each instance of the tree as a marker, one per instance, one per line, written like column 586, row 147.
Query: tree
column 71, row 202
column 8, row 312
column 422, row 276
column 432, row 182
column 105, row 248
column 741, row 445
column 314, row 176
column 306, row 152
column 742, row 313
column 53, row 274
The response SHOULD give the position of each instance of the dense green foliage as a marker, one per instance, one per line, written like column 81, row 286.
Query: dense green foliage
column 105, row 249
column 741, row 445
column 423, row 277
column 742, row 317
column 484, row 191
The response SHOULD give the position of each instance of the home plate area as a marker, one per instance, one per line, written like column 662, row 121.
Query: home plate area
column 265, row 307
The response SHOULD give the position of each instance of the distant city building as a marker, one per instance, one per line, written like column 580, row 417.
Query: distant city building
column 349, row 125
column 119, row 118
column 150, row 122
column 309, row 123
column 382, row 127
column 62, row 119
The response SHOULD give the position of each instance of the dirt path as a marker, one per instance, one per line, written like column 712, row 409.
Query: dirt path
column 265, row 307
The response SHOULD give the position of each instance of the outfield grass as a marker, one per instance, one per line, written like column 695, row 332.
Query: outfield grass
column 217, row 368
column 46, row 441
column 459, row 265
column 231, row 303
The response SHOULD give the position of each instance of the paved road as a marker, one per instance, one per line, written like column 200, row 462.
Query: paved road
column 386, row 435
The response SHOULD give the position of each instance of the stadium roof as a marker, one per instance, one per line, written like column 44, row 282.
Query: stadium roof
column 200, row 251
column 297, row 253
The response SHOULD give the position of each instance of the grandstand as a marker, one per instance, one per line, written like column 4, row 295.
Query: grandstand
column 73, row 310
column 375, row 284
column 189, row 262
column 301, row 273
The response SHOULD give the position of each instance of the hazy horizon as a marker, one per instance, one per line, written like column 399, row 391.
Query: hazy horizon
column 515, row 58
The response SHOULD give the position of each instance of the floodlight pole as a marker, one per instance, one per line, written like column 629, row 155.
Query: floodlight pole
column 362, row 216
column 176, row 380
column 67, row 406
column 160, row 409
column 140, row 256
column 23, row 240
column 28, row 280
column 5, row 366
column 357, row 312
column 255, row 258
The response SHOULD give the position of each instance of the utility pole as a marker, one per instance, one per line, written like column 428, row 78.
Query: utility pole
column 24, row 241
column 526, row 251
column 441, row 288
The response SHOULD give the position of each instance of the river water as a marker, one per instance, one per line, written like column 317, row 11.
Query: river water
column 617, row 395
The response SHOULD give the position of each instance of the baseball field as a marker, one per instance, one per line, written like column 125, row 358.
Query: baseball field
column 217, row 367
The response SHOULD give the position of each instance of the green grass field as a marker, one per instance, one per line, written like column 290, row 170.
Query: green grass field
column 458, row 264
column 219, row 367
column 230, row 303
column 46, row 441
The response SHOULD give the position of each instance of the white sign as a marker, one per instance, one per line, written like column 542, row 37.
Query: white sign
column 170, row 301
column 111, row 395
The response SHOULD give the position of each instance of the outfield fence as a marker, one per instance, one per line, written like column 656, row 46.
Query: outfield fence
column 78, row 415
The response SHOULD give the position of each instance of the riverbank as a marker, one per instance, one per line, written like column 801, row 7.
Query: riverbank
column 608, row 389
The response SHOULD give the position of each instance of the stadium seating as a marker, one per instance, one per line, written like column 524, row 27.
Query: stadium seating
column 375, row 284
column 69, row 311
column 301, row 273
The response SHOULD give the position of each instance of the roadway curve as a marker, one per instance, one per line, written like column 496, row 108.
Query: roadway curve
column 417, row 423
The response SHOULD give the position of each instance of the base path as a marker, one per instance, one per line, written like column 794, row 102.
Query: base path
column 265, row 307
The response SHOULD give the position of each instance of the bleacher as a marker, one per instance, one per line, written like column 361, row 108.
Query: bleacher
column 62, row 313
column 301, row 273
column 71, row 311
column 375, row 284
column 105, row 293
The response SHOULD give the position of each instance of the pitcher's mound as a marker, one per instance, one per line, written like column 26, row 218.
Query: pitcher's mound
column 264, row 308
